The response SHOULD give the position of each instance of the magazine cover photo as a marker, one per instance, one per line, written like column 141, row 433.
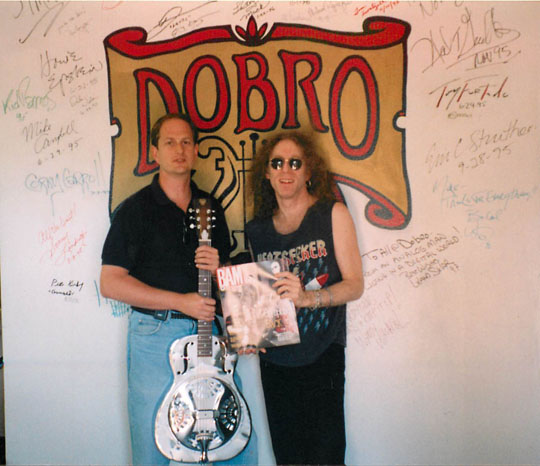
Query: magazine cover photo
column 255, row 316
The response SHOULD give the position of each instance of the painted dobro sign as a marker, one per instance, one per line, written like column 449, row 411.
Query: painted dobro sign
column 240, row 84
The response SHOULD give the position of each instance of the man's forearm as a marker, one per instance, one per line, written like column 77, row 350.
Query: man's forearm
column 120, row 286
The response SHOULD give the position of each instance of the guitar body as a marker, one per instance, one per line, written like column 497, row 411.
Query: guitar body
column 203, row 402
column 203, row 417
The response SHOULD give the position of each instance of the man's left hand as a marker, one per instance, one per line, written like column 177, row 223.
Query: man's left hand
column 207, row 258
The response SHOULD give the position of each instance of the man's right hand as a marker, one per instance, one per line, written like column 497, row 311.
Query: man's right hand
column 116, row 283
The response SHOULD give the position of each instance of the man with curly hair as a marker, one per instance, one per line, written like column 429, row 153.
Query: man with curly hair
column 296, row 218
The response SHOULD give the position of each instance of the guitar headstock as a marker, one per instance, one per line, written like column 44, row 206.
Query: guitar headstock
column 202, row 218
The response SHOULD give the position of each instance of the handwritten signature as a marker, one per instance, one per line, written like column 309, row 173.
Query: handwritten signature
column 21, row 99
column 65, row 181
column 483, row 208
column 380, row 7
column 456, row 195
column 249, row 8
column 71, row 69
column 474, row 90
column 65, row 288
column 45, row 11
column 44, row 138
column 377, row 319
column 417, row 258
column 491, row 46
column 75, row 23
column 429, row 9
column 61, row 245
column 178, row 19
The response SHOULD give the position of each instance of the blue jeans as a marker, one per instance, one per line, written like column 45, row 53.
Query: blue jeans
column 150, row 378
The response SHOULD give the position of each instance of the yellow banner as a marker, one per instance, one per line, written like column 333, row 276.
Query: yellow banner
column 239, row 85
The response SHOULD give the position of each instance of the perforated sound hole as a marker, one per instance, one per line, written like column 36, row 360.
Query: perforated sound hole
column 228, row 414
column 204, row 406
column 180, row 417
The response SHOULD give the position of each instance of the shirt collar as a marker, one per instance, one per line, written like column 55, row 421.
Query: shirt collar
column 161, row 198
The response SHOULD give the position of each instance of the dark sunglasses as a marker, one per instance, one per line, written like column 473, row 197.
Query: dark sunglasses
column 277, row 163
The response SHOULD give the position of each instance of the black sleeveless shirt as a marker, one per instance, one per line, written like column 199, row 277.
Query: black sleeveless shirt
column 309, row 253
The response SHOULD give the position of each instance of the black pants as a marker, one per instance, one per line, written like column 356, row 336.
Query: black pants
column 305, row 409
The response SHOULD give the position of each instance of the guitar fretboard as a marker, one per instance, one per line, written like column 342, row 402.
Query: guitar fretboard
column 204, row 333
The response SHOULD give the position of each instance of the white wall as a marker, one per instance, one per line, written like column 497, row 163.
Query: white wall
column 443, row 354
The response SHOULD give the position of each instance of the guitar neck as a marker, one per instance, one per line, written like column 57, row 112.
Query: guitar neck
column 204, row 328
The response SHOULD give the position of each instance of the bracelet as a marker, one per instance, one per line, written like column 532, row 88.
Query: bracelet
column 317, row 299
column 329, row 297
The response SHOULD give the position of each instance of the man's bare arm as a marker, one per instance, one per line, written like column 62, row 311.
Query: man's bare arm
column 348, row 258
column 349, row 262
column 116, row 283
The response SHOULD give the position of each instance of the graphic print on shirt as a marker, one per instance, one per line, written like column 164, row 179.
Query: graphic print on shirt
column 304, row 252
column 307, row 262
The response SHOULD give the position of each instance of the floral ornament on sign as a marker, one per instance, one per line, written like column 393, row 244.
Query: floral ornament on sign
column 253, row 35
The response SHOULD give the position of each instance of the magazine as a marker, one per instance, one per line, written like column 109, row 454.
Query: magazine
column 255, row 316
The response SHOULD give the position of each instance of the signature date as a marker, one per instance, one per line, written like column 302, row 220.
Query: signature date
column 477, row 47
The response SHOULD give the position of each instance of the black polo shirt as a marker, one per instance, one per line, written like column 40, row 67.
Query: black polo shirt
column 150, row 237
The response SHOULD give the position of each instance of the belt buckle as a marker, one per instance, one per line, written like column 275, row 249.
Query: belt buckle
column 161, row 315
